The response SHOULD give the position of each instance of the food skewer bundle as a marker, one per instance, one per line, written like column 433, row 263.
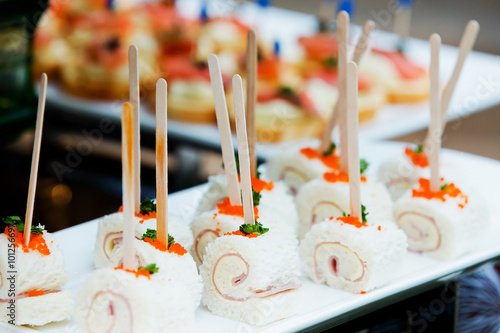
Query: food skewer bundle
column 110, row 227
column 32, row 272
column 440, row 220
column 220, row 209
column 402, row 172
column 119, row 297
column 353, row 252
column 247, row 268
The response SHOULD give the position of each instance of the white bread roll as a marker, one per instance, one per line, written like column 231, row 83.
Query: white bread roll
column 253, row 280
column 176, row 267
column 442, row 230
column 319, row 199
column 35, row 271
column 277, row 199
column 110, row 230
column 114, row 300
column 40, row 310
column 293, row 167
column 399, row 174
column 212, row 224
column 350, row 258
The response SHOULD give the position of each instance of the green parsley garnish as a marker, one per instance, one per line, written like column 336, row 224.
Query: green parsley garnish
column 151, row 268
column 419, row 149
column 256, row 197
column 330, row 149
column 444, row 187
column 255, row 228
column 330, row 62
column 363, row 165
column 147, row 206
column 286, row 91
column 19, row 224
column 151, row 233
column 364, row 213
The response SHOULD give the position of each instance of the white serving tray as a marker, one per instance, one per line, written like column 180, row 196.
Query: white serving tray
column 477, row 88
column 321, row 302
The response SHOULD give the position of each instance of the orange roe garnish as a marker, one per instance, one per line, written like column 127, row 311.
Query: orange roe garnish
column 140, row 272
column 217, row 229
column 362, row 292
column 331, row 161
column 37, row 242
column 35, row 293
column 226, row 209
column 174, row 248
column 379, row 228
column 151, row 215
column 260, row 185
column 418, row 159
column 341, row 176
column 156, row 244
column 352, row 220
column 239, row 233
column 450, row 191
column 177, row 249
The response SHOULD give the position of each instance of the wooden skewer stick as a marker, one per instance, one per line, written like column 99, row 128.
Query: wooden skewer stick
column 161, row 162
column 133, row 67
column 434, row 139
column 243, row 151
column 358, row 53
column 466, row 44
column 362, row 43
column 128, row 184
column 251, row 67
column 402, row 19
column 353, row 146
column 28, row 219
column 224, row 130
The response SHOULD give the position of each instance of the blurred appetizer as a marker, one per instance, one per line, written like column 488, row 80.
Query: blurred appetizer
column 319, row 69
column 32, row 277
column 98, row 66
column 404, row 80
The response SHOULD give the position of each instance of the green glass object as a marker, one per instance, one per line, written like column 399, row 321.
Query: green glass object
column 18, row 20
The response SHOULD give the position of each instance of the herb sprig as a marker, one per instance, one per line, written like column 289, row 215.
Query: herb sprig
column 151, row 268
column 330, row 149
column 364, row 214
column 151, row 233
column 256, row 228
column 147, row 206
column 19, row 224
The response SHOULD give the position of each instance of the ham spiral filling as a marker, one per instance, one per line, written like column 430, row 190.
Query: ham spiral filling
column 422, row 231
column 293, row 178
column 323, row 210
column 339, row 261
column 109, row 312
column 234, row 266
column 204, row 238
column 111, row 239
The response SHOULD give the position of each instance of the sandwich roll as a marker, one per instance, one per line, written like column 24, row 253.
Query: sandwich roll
column 274, row 196
column 177, row 264
column 115, row 300
column 110, row 231
column 350, row 255
column 328, row 196
column 443, row 224
column 244, row 283
column 299, row 163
